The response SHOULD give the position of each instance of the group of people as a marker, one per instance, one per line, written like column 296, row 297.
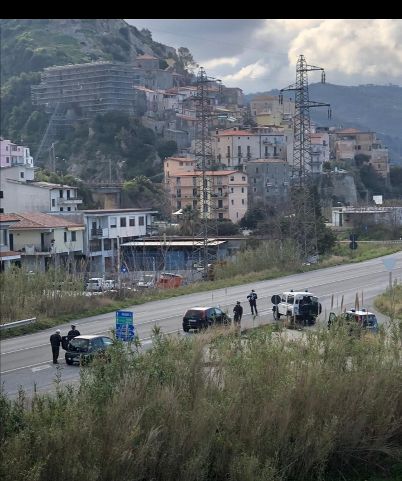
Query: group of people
column 238, row 308
column 55, row 341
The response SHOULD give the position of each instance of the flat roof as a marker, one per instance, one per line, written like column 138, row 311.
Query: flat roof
column 148, row 243
column 117, row 211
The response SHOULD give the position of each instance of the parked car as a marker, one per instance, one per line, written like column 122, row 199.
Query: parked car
column 82, row 349
column 357, row 320
column 146, row 282
column 98, row 284
column 203, row 317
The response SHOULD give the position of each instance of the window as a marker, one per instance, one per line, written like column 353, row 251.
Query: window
column 1, row 210
column 243, row 178
column 131, row 221
column 22, row 175
column 256, row 170
column 68, row 194
column 178, row 192
column 232, row 190
column 7, row 160
column 178, row 205
column 232, row 201
column 242, row 190
column 255, row 189
column 65, row 236
column 220, row 204
column 107, row 244
column 61, row 209
column 220, row 215
column 1, row 194
column 141, row 220
column 69, row 209
column 61, row 193
column 254, row 180
column 53, row 202
column 123, row 222
column 232, row 178
column 242, row 201
column 73, row 236
column 113, row 222
column 194, row 180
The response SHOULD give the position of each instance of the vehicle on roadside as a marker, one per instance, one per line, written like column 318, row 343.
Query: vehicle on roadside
column 298, row 307
column 147, row 281
column 203, row 317
column 356, row 320
column 168, row 280
column 82, row 349
column 98, row 284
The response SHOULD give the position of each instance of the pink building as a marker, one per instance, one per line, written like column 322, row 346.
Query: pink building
column 226, row 189
column 13, row 154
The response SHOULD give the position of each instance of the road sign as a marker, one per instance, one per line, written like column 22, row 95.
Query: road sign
column 124, row 269
column 389, row 263
column 125, row 330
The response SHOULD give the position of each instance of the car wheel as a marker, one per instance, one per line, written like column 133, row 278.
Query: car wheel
column 186, row 329
column 69, row 361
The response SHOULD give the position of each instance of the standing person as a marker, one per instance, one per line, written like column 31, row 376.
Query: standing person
column 73, row 332
column 238, row 313
column 252, row 299
column 55, row 341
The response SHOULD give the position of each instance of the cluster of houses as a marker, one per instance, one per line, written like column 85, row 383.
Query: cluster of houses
column 251, row 147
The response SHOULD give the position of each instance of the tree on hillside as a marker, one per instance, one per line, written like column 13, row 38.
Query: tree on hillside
column 141, row 192
column 186, row 59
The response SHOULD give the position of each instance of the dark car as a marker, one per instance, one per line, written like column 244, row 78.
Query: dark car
column 203, row 317
column 82, row 349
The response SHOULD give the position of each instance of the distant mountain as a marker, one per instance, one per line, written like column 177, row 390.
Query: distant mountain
column 376, row 108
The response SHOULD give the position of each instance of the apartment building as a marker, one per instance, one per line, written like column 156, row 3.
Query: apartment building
column 271, row 105
column 235, row 147
column 226, row 189
column 348, row 143
column 12, row 154
column 268, row 181
column 7, row 256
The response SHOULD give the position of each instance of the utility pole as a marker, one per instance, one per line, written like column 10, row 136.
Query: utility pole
column 303, row 199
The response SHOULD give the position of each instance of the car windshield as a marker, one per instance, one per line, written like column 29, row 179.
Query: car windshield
column 194, row 314
column 79, row 345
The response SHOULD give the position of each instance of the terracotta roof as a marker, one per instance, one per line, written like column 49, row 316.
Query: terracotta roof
column 223, row 133
column 39, row 220
column 8, row 218
column 208, row 172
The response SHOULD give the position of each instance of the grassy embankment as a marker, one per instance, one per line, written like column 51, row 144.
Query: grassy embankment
column 216, row 406
column 25, row 296
column 390, row 303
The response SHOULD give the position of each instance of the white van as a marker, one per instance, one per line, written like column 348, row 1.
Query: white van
column 98, row 284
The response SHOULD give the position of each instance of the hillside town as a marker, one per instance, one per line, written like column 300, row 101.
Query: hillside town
column 249, row 163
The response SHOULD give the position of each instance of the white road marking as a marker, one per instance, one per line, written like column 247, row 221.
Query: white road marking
column 40, row 368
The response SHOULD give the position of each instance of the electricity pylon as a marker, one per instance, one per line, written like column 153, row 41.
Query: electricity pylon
column 303, row 199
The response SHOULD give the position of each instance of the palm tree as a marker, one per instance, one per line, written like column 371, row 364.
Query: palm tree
column 189, row 221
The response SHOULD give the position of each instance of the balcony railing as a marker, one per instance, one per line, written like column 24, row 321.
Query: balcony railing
column 70, row 201
column 96, row 232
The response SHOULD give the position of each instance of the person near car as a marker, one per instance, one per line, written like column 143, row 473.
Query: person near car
column 73, row 332
column 55, row 341
column 238, row 313
column 252, row 299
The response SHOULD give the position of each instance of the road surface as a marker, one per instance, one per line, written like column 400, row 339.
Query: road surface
column 26, row 361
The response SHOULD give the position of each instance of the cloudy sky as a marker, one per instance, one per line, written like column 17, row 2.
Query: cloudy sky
column 258, row 55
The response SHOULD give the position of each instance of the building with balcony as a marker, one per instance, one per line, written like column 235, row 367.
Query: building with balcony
column 319, row 151
column 20, row 193
column 12, row 154
column 106, row 229
column 226, row 189
column 235, row 147
column 44, row 240
column 7, row 256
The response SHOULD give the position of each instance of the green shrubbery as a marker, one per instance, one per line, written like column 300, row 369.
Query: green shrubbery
column 214, row 407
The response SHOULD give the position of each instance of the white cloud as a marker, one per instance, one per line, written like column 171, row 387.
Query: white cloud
column 258, row 55
column 218, row 62
column 252, row 71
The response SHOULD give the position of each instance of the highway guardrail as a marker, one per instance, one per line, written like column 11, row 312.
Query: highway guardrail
column 23, row 322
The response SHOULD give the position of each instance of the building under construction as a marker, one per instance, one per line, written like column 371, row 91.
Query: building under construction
column 85, row 90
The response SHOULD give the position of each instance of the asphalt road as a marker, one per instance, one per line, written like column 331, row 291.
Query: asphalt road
column 26, row 361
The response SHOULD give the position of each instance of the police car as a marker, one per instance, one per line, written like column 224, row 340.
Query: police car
column 356, row 318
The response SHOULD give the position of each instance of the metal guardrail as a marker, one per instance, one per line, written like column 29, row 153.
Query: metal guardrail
column 23, row 322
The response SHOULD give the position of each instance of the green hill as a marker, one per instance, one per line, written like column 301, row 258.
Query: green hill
column 29, row 46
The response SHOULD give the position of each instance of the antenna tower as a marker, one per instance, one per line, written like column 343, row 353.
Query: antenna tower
column 303, row 199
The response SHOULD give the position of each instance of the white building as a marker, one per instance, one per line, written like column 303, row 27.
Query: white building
column 13, row 154
column 234, row 148
column 20, row 193
column 106, row 229
column 319, row 151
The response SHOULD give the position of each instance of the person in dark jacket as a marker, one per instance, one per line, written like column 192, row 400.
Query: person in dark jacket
column 73, row 332
column 238, row 313
column 55, row 341
column 252, row 299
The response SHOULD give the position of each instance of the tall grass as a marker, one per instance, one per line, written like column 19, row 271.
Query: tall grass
column 214, row 407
